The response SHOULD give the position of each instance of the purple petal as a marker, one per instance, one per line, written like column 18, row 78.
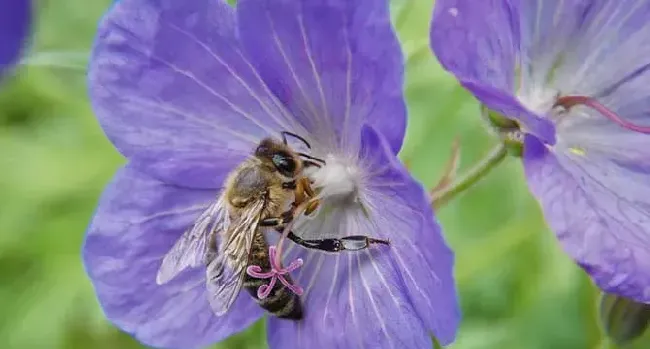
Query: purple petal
column 335, row 64
column 385, row 296
column 356, row 300
column 599, row 207
column 550, row 32
column 605, row 137
column 137, row 222
column 174, row 92
column 477, row 42
column 423, row 257
column 593, row 48
column 15, row 17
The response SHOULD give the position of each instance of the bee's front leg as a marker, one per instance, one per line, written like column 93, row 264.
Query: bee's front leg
column 304, row 192
column 288, row 216
column 284, row 219
column 291, row 185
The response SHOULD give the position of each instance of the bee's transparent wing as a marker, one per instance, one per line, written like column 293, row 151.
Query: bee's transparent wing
column 226, row 272
column 192, row 249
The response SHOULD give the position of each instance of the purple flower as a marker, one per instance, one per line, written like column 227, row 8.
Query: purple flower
column 574, row 76
column 15, row 16
column 186, row 90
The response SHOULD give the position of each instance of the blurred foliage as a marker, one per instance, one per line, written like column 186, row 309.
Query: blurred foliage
column 518, row 289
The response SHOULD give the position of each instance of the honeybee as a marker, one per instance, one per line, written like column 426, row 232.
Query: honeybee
column 261, row 193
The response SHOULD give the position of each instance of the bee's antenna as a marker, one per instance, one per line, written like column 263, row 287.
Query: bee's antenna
column 286, row 133
column 316, row 161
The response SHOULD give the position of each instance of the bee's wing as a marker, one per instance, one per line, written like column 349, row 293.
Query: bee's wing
column 192, row 249
column 225, row 273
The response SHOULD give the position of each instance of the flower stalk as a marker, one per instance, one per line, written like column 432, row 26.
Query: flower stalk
column 451, row 169
column 441, row 196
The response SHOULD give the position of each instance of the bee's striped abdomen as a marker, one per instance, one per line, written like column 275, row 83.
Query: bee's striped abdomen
column 281, row 302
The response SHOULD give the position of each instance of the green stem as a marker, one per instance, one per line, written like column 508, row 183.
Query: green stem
column 495, row 157
column 605, row 344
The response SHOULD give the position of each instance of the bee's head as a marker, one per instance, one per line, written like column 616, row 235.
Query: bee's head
column 279, row 156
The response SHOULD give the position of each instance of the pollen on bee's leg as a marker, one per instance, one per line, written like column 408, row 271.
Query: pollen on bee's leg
column 569, row 101
column 313, row 206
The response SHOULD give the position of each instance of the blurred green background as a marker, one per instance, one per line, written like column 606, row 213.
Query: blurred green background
column 518, row 290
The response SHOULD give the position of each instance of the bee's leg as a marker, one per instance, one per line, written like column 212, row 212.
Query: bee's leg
column 302, row 192
column 270, row 222
column 348, row 243
column 304, row 184
column 299, row 193
column 289, row 185
column 284, row 218
column 288, row 216
column 312, row 207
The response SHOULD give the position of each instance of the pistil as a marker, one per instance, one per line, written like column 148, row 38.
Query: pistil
column 570, row 101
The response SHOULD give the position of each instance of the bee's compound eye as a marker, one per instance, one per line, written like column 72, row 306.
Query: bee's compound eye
column 285, row 164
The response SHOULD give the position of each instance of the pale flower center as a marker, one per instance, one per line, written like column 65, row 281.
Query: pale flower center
column 538, row 99
column 549, row 103
column 337, row 180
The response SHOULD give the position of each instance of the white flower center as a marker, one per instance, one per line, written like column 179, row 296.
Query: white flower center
column 538, row 99
column 541, row 100
column 338, row 179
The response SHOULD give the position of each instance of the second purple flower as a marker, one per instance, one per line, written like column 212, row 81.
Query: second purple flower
column 572, row 77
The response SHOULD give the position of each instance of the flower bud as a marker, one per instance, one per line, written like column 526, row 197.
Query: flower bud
column 622, row 319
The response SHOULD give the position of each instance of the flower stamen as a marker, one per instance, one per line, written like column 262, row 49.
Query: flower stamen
column 277, row 273
column 275, row 257
column 569, row 101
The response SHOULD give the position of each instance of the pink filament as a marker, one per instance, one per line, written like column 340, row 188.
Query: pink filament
column 570, row 101
column 285, row 232
column 277, row 273
column 275, row 257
